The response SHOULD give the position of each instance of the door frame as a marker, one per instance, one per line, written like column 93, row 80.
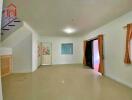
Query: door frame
column 92, row 39
column 101, row 53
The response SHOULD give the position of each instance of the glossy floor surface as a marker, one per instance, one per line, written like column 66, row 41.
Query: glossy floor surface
column 63, row 82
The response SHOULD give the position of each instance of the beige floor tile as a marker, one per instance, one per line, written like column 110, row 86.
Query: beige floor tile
column 63, row 82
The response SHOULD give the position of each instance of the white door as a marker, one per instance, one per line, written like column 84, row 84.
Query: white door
column 46, row 53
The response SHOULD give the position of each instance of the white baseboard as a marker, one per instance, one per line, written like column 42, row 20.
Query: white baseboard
column 46, row 64
column 119, row 81
column 68, row 64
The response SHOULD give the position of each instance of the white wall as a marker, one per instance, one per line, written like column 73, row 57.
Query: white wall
column 57, row 58
column 1, row 3
column 114, row 49
column 21, row 44
column 35, row 63
column 40, row 57
column 35, row 41
column 5, row 51
column 22, row 56
column 24, row 44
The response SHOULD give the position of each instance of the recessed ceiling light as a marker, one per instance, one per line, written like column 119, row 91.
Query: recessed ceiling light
column 69, row 30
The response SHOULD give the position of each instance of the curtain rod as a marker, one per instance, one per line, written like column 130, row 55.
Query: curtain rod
column 94, row 38
column 126, row 25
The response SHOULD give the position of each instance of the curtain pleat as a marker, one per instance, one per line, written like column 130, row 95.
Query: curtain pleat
column 84, row 51
column 127, row 59
column 101, row 63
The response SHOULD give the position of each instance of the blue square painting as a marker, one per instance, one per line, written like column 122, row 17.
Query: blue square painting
column 67, row 48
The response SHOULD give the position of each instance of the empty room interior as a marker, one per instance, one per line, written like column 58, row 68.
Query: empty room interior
column 66, row 50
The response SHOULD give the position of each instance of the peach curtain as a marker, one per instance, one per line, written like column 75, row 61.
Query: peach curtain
column 127, row 59
column 84, row 51
column 101, row 64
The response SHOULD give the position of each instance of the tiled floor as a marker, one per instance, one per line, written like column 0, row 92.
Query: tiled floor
column 63, row 82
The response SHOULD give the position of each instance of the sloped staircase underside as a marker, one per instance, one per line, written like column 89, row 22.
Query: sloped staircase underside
column 10, row 27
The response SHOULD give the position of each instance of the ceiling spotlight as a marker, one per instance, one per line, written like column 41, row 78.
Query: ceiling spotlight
column 69, row 30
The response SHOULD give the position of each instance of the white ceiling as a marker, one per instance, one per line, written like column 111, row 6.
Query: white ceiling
column 50, row 17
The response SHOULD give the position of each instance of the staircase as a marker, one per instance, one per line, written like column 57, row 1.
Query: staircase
column 10, row 25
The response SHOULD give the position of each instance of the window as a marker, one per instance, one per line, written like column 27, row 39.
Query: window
column 67, row 48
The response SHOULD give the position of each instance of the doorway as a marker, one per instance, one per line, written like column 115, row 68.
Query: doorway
column 46, row 53
column 93, row 54
column 88, row 53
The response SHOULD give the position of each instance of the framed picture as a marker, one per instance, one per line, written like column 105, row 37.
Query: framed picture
column 67, row 48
